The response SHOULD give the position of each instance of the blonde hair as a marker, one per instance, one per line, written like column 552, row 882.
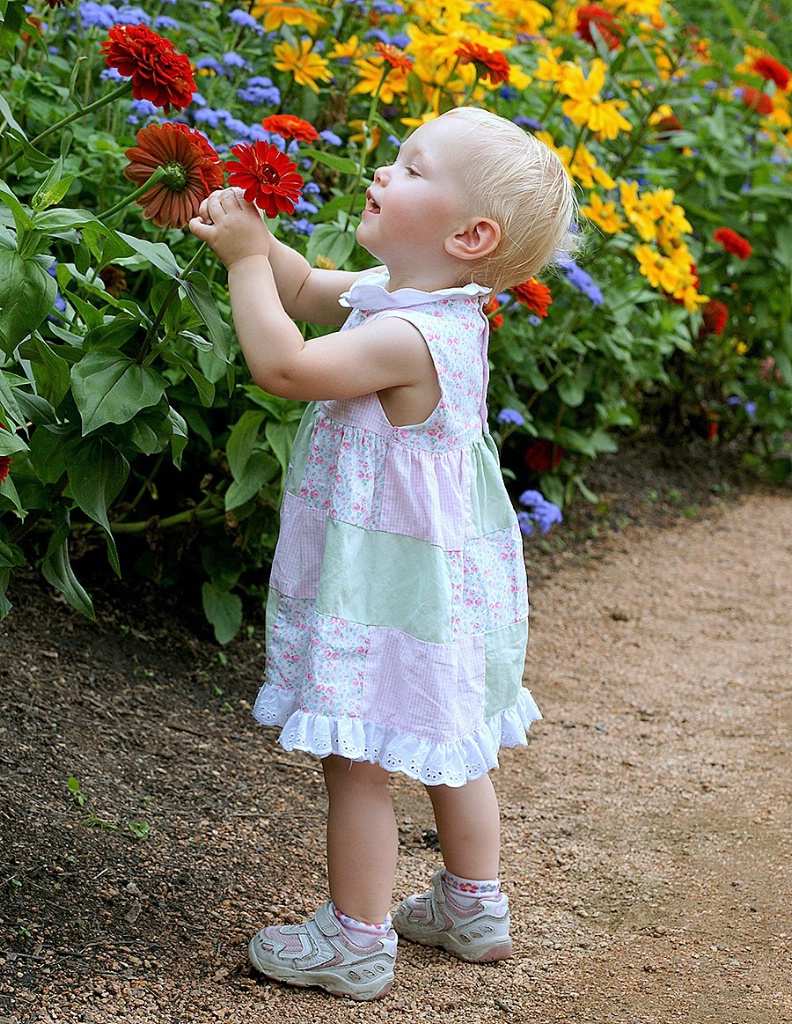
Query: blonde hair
column 521, row 184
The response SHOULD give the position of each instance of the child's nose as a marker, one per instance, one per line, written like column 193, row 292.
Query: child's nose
column 380, row 175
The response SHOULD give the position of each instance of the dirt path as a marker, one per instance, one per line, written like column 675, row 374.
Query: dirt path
column 647, row 827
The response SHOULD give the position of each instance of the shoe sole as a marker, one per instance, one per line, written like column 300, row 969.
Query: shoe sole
column 297, row 980
column 502, row 951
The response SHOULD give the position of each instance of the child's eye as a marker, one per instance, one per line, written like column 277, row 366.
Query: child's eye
column 411, row 171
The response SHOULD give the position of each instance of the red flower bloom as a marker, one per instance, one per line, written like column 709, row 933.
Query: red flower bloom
column 192, row 167
column 535, row 295
column 5, row 462
column 542, row 455
column 269, row 177
column 114, row 280
column 290, row 127
column 733, row 243
column 610, row 30
column 773, row 71
column 394, row 56
column 716, row 315
column 667, row 125
column 491, row 308
column 159, row 74
column 489, row 63
column 757, row 100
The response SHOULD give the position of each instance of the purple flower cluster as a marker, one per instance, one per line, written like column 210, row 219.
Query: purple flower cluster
column 541, row 513
column 579, row 279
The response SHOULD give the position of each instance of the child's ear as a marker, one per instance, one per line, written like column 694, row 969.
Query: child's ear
column 477, row 240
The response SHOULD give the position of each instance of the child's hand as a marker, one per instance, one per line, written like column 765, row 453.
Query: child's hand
column 231, row 226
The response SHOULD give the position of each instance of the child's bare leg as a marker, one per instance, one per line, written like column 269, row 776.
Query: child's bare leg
column 468, row 827
column 362, row 838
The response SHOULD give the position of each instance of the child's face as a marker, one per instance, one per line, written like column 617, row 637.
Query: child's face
column 414, row 204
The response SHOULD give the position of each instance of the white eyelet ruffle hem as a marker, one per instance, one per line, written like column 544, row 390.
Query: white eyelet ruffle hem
column 433, row 764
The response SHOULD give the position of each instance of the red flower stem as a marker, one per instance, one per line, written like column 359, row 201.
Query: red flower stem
column 109, row 97
column 158, row 174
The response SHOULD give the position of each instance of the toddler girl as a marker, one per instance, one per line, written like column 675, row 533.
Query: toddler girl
column 397, row 612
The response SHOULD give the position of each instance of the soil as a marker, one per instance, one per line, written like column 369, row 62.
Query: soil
column 149, row 825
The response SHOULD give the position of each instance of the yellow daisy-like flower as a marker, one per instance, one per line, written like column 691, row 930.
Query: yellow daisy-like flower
column 348, row 50
column 307, row 67
column 523, row 16
column 586, row 107
column 739, row 346
column 659, row 270
column 277, row 14
column 549, row 69
column 366, row 134
column 603, row 214
column 660, row 205
column 371, row 78
column 636, row 211
column 586, row 170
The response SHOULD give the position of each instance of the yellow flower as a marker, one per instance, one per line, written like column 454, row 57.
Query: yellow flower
column 548, row 68
column 603, row 214
column 636, row 211
column 659, row 271
column 277, row 14
column 660, row 205
column 584, row 168
column 523, row 16
column 348, row 50
column 585, row 106
column 739, row 346
column 368, row 135
column 371, row 78
column 306, row 66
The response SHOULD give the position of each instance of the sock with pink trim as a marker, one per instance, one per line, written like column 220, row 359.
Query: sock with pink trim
column 361, row 933
column 467, row 891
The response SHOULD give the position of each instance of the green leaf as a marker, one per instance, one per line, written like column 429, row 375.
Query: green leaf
column 241, row 441
column 27, row 295
column 22, row 218
column 572, row 391
column 259, row 470
column 333, row 160
column 50, row 370
column 280, row 437
column 57, row 569
column 97, row 472
column 52, row 189
column 332, row 242
column 199, row 293
column 204, row 387
column 157, row 253
column 110, row 388
column 11, row 443
column 223, row 610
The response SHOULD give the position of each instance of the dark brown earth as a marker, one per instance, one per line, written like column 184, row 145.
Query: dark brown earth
column 647, row 827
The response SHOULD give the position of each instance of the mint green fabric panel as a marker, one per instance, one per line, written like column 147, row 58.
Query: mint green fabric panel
column 490, row 507
column 301, row 449
column 273, row 600
column 504, row 661
column 385, row 579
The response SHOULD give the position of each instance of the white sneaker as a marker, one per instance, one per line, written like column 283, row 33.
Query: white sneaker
column 478, row 934
column 317, row 953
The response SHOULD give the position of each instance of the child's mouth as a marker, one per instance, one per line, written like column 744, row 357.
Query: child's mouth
column 371, row 205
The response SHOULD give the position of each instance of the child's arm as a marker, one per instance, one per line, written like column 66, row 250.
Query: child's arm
column 307, row 293
column 387, row 354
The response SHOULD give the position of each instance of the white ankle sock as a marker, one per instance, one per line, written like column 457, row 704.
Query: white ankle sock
column 467, row 891
column 361, row 932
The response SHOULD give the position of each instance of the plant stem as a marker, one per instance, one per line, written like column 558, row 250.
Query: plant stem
column 169, row 297
column 158, row 174
column 109, row 97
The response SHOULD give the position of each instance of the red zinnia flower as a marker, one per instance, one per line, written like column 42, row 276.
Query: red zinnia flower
column 757, row 100
column 491, row 308
column 159, row 74
column 535, row 295
column 394, row 56
column 733, row 243
column 489, row 63
column 716, row 314
column 773, row 71
column 543, row 455
column 269, row 177
column 114, row 280
column 608, row 27
column 192, row 171
column 290, row 127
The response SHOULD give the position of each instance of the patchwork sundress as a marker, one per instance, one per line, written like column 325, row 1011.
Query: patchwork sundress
column 397, row 616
